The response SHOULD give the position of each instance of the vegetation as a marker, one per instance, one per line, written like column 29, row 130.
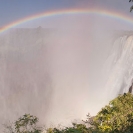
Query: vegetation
column 131, row 8
column 25, row 124
column 116, row 117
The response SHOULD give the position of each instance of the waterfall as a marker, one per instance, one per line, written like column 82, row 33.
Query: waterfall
column 46, row 74
column 119, row 67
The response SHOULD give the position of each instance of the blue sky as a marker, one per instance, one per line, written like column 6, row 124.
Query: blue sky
column 16, row 9
column 11, row 10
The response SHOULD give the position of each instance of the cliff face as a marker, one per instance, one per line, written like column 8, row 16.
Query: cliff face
column 130, row 89
column 25, row 81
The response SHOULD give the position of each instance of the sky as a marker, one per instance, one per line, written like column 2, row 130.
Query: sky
column 59, row 74
column 11, row 11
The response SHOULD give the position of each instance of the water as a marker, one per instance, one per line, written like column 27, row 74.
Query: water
column 119, row 66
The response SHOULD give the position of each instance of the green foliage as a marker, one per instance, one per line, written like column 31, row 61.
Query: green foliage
column 25, row 124
column 117, row 117
column 76, row 128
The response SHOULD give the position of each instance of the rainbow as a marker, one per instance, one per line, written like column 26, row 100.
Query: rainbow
column 103, row 12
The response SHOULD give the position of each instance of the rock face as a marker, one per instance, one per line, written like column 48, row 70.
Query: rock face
column 131, row 88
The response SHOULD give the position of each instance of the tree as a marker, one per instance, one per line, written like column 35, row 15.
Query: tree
column 25, row 124
column 76, row 128
column 131, row 8
column 117, row 117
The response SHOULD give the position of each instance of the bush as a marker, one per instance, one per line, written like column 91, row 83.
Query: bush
column 117, row 117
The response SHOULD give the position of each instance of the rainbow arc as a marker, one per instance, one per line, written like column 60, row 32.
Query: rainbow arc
column 103, row 12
